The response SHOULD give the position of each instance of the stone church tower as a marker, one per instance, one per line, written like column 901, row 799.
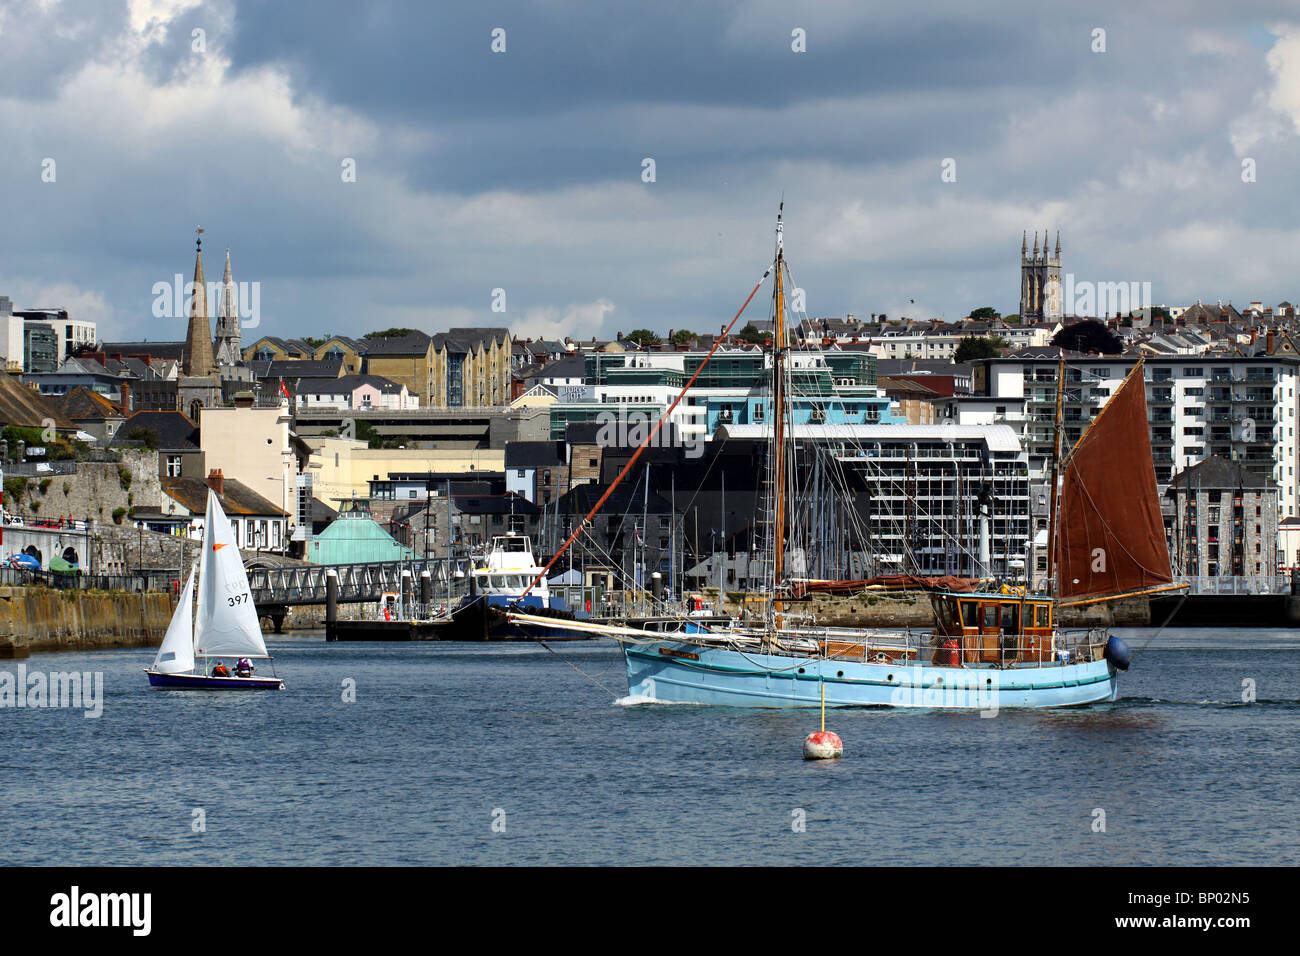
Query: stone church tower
column 1040, row 281
column 198, row 385
column 228, row 334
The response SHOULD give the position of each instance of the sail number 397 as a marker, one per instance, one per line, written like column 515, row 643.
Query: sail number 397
column 238, row 599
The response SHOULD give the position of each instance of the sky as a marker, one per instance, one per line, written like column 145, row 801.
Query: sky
column 913, row 145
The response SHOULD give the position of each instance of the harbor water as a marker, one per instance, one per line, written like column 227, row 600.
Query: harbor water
column 506, row 754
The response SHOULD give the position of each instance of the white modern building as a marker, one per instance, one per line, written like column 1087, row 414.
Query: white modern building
column 1240, row 408
column 927, row 499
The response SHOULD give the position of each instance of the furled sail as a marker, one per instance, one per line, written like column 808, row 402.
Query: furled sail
column 1111, row 538
column 227, row 624
column 176, row 655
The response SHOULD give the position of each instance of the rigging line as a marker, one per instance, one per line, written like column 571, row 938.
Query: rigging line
column 612, row 695
column 649, row 438
column 1177, row 608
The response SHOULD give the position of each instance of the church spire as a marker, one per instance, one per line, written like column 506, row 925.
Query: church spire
column 1024, row 243
column 1058, row 244
column 1036, row 243
column 198, row 339
column 228, row 331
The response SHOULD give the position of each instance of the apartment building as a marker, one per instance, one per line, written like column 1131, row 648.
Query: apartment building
column 1238, row 407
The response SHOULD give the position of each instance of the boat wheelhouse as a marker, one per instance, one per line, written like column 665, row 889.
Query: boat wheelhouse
column 508, row 568
column 995, row 628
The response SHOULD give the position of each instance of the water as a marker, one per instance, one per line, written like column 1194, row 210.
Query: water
column 445, row 739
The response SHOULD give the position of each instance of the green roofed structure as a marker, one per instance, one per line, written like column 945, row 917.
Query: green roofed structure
column 354, row 537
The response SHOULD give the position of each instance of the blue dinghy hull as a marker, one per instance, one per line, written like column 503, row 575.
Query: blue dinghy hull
column 204, row 682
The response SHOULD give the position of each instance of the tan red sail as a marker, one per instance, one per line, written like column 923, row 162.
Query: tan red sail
column 1111, row 538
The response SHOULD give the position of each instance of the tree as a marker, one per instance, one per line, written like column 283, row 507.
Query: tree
column 1089, row 335
column 683, row 336
column 751, row 334
column 1012, row 319
column 389, row 334
column 642, row 337
column 978, row 347
column 985, row 313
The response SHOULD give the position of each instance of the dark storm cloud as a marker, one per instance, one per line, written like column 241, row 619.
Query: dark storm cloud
column 522, row 170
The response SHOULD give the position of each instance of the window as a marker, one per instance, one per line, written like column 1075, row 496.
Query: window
column 173, row 466
column 968, row 614
column 1194, row 372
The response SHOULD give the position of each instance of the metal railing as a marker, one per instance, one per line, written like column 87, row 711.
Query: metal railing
column 165, row 581
column 358, row 583
column 1236, row 584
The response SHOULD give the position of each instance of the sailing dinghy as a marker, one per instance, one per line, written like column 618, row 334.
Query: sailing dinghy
column 225, row 626
column 999, row 647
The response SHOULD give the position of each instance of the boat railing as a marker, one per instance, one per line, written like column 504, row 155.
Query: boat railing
column 933, row 647
column 417, row 610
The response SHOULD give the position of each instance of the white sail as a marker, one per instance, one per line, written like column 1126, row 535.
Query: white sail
column 227, row 624
column 176, row 655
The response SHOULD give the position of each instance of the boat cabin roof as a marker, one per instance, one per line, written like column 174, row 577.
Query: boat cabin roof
column 512, row 543
column 988, row 596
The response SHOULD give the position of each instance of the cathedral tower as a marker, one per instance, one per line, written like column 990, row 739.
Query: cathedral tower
column 1040, row 280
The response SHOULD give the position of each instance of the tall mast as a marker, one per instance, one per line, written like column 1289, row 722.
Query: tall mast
column 1056, row 465
column 778, row 410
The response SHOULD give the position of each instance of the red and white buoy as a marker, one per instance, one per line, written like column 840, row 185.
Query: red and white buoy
column 822, row 744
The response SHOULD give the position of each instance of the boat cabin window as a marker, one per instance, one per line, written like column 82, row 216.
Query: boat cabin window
column 947, row 614
column 990, row 615
column 969, row 617
column 1043, row 615
column 1011, row 618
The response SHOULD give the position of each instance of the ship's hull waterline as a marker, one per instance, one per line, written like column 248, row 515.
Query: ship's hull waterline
column 692, row 674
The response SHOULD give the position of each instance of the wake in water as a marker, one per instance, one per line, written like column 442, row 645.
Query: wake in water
column 635, row 700
column 1223, row 704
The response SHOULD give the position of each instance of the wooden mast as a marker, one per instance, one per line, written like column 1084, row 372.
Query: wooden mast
column 778, row 411
column 1056, row 465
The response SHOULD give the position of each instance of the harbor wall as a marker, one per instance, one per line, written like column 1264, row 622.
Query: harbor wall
column 913, row 609
column 34, row 619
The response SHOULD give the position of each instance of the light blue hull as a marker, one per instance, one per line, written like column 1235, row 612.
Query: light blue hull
column 666, row 672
